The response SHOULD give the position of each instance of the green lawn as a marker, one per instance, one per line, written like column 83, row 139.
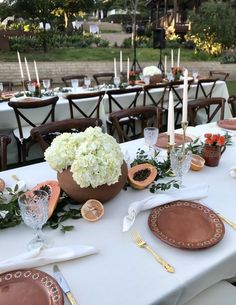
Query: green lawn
column 231, row 87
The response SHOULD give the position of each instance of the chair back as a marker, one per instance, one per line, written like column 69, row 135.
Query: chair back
column 24, row 117
column 232, row 104
column 117, row 101
column 155, row 94
column 207, row 105
column 4, row 141
column 7, row 86
column 101, row 78
column 44, row 134
column 90, row 108
column 219, row 74
column 67, row 79
column 205, row 91
column 142, row 115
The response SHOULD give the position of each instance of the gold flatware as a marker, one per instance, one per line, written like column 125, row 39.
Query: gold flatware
column 142, row 244
column 229, row 222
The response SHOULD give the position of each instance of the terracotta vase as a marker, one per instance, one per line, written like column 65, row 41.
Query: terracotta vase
column 102, row 193
column 212, row 154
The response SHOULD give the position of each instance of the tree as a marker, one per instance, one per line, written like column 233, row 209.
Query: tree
column 215, row 19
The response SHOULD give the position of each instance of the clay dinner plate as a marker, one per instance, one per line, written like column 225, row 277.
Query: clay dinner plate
column 227, row 124
column 186, row 225
column 29, row 286
column 163, row 140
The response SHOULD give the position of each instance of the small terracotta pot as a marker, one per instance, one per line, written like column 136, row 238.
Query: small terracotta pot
column 102, row 193
column 212, row 154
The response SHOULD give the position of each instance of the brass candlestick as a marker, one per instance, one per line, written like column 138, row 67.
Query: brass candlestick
column 184, row 125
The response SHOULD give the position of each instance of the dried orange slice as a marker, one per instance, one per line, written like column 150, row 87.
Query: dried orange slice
column 92, row 210
column 197, row 162
column 2, row 185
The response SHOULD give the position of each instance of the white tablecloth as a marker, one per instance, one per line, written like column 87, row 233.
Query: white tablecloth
column 122, row 273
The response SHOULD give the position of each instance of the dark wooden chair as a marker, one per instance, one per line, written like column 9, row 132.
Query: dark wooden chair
column 27, row 112
column 4, row 141
column 103, row 78
column 205, row 91
column 45, row 133
column 142, row 116
column 87, row 109
column 206, row 104
column 218, row 74
column 7, row 86
column 232, row 104
column 67, row 79
column 119, row 99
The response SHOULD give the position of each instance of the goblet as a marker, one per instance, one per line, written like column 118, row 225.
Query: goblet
column 195, row 75
column 87, row 82
column 180, row 161
column 150, row 137
column 74, row 84
column 31, row 88
column 34, row 212
column 116, row 80
column 46, row 84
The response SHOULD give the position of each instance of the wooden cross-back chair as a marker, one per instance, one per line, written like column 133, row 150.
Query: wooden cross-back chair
column 219, row 74
column 4, row 141
column 44, row 134
column 81, row 107
column 119, row 99
column 142, row 115
column 232, row 104
column 101, row 78
column 27, row 113
column 7, row 86
column 67, row 79
column 206, row 104
column 205, row 91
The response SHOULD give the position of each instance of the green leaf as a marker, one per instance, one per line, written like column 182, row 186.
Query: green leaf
column 65, row 229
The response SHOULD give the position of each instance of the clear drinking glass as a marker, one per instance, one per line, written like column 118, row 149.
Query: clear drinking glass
column 74, row 84
column 116, row 81
column 46, row 84
column 31, row 87
column 169, row 76
column 87, row 82
column 180, row 162
column 195, row 75
column 1, row 88
column 34, row 212
column 150, row 137
column 146, row 80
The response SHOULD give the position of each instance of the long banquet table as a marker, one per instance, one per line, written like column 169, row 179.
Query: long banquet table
column 122, row 273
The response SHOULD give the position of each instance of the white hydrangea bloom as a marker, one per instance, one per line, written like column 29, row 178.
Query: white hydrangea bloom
column 151, row 70
column 95, row 158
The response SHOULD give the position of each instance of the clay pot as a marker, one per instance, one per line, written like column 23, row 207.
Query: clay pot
column 212, row 154
column 102, row 193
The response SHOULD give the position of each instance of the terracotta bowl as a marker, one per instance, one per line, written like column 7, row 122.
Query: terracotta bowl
column 102, row 193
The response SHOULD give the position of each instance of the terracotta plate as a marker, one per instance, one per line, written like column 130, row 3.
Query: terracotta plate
column 163, row 140
column 186, row 224
column 227, row 124
column 29, row 286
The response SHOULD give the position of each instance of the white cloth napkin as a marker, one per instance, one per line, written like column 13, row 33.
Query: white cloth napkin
column 188, row 193
column 40, row 257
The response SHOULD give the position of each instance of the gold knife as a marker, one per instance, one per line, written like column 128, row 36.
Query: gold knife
column 229, row 222
column 63, row 284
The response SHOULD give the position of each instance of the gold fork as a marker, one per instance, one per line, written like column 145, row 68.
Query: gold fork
column 142, row 244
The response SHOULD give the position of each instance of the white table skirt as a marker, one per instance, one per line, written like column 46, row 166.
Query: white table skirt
column 122, row 273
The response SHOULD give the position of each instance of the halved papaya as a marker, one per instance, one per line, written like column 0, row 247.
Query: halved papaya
column 141, row 175
column 53, row 189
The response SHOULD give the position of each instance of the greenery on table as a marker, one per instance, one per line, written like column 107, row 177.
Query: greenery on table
column 163, row 170
column 10, row 212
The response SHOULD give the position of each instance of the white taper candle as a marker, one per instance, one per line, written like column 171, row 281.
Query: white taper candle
column 171, row 120
column 20, row 65
column 121, row 62
column 185, row 97
column 27, row 70
column 36, row 72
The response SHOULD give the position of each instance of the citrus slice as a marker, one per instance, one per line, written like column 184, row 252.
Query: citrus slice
column 2, row 185
column 197, row 162
column 92, row 210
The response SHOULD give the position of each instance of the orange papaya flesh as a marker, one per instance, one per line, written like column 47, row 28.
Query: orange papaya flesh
column 53, row 189
column 142, row 175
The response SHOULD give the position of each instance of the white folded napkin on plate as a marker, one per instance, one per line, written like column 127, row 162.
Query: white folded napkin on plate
column 40, row 257
column 187, row 193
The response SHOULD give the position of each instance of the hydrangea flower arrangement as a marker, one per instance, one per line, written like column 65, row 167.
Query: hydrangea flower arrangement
column 151, row 71
column 94, row 158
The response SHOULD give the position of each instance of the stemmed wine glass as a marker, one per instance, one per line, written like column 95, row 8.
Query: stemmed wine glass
column 87, row 82
column 180, row 161
column 195, row 75
column 150, row 137
column 46, row 84
column 34, row 212
column 116, row 80
column 31, row 88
